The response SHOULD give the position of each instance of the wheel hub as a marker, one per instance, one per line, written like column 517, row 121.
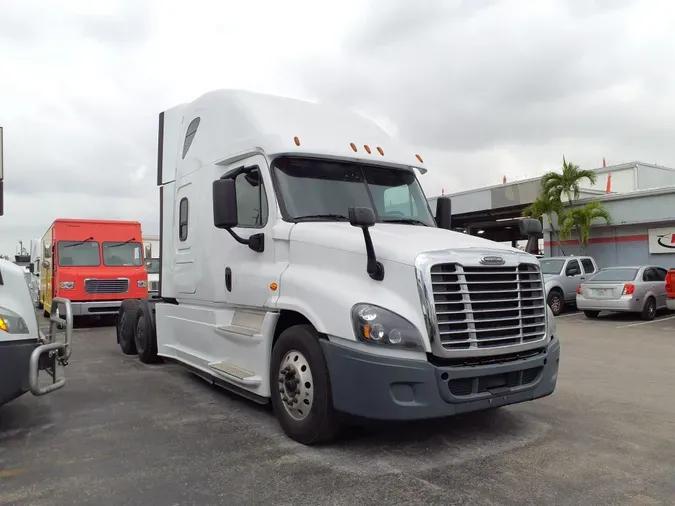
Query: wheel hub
column 296, row 385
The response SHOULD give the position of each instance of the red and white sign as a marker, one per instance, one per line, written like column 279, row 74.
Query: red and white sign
column 662, row 240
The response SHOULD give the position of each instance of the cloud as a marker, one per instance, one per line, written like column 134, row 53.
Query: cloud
column 481, row 89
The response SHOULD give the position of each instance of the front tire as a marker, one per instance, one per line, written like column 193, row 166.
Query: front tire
column 144, row 335
column 126, row 324
column 300, row 387
column 555, row 302
column 649, row 310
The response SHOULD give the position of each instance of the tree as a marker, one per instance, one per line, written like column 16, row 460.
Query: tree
column 581, row 220
column 544, row 205
column 555, row 185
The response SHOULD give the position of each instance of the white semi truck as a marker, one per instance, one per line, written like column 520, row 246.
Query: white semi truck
column 24, row 350
column 286, row 276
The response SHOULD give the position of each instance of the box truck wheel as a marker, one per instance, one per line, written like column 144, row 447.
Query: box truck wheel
column 126, row 323
column 300, row 387
column 144, row 334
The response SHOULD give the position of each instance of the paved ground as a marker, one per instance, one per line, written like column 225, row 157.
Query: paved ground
column 122, row 433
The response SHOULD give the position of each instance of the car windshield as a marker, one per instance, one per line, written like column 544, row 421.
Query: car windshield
column 619, row 274
column 551, row 266
column 325, row 190
column 152, row 265
column 79, row 254
column 122, row 254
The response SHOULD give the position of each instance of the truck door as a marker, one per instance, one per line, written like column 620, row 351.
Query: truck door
column 247, row 274
column 573, row 277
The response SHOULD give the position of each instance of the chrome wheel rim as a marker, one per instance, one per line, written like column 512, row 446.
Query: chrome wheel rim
column 296, row 385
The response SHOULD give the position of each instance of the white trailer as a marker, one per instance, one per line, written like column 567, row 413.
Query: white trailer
column 24, row 350
column 288, row 278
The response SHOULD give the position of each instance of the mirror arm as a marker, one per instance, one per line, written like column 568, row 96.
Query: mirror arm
column 237, row 238
column 256, row 242
column 374, row 268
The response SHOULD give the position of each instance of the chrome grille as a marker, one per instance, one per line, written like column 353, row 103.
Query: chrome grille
column 488, row 307
column 105, row 286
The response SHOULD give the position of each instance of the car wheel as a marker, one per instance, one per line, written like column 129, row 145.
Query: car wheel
column 649, row 310
column 300, row 387
column 555, row 302
column 591, row 314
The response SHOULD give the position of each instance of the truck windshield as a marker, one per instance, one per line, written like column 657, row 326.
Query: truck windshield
column 324, row 190
column 122, row 254
column 79, row 254
column 551, row 266
column 152, row 265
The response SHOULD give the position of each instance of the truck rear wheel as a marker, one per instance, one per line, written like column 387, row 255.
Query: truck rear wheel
column 126, row 324
column 144, row 335
column 300, row 387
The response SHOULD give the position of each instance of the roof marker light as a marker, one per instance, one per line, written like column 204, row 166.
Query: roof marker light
column 419, row 158
column 297, row 141
column 353, row 146
column 379, row 150
column 367, row 148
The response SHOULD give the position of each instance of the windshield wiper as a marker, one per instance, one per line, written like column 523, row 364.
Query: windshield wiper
column 331, row 217
column 412, row 221
column 122, row 243
column 79, row 243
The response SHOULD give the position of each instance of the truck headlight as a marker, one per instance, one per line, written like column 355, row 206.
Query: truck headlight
column 142, row 284
column 67, row 285
column 376, row 325
column 11, row 322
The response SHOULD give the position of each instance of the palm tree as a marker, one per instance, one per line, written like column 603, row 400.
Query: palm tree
column 555, row 185
column 544, row 205
column 581, row 220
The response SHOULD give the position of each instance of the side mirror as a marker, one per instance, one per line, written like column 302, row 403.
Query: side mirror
column 364, row 217
column 225, row 214
column 530, row 226
column 444, row 213
column 224, row 204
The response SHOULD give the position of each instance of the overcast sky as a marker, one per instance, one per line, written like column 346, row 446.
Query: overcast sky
column 483, row 89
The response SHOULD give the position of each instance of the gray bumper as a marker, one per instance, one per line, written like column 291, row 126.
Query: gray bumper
column 14, row 366
column 94, row 308
column 385, row 388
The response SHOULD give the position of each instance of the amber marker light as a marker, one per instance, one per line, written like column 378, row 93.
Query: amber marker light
column 273, row 287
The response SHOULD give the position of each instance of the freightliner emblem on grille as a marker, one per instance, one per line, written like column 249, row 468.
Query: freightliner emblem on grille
column 492, row 260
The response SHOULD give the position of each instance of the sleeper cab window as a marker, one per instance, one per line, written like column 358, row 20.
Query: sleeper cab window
column 183, row 219
column 190, row 135
column 251, row 199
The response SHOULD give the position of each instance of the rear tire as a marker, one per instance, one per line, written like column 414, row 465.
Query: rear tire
column 591, row 314
column 649, row 309
column 556, row 302
column 144, row 334
column 299, row 378
column 126, row 324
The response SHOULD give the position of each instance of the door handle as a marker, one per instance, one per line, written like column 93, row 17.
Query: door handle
column 582, row 277
column 228, row 279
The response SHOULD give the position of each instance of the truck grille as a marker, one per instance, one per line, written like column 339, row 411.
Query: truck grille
column 99, row 286
column 488, row 307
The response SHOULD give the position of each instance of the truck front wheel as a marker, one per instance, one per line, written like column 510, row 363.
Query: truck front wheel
column 144, row 335
column 300, row 387
column 126, row 324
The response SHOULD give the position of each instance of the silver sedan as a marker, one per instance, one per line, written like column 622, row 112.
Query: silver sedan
column 639, row 289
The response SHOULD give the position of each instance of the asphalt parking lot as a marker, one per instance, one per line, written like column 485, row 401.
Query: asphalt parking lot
column 123, row 433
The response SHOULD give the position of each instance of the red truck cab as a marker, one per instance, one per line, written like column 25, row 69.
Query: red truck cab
column 96, row 264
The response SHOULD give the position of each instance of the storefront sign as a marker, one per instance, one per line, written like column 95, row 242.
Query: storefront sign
column 662, row 240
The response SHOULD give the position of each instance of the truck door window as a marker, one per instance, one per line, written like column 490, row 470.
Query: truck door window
column 122, row 254
column 251, row 199
column 183, row 219
column 588, row 265
column 78, row 254
column 573, row 268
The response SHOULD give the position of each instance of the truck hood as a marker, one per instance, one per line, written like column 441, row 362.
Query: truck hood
column 393, row 242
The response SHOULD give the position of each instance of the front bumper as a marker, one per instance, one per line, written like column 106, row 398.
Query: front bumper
column 93, row 308
column 626, row 304
column 385, row 388
column 670, row 304
column 14, row 368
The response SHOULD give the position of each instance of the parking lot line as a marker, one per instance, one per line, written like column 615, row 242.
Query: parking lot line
column 568, row 314
column 645, row 323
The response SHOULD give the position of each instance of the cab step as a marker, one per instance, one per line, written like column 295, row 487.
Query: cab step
column 236, row 373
